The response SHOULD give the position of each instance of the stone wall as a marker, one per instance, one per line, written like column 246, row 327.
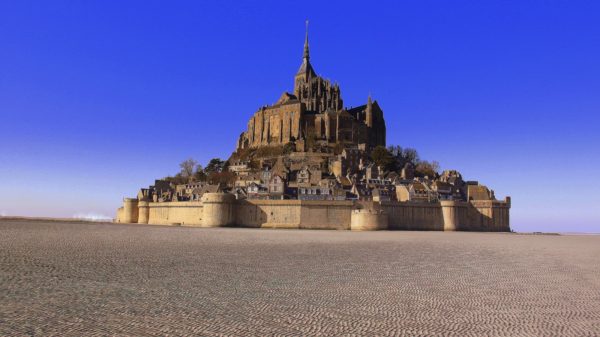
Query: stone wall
column 184, row 213
column 221, row 209
column 306, row 214
column 326, row 214
column 414, row 215
column 487, row 215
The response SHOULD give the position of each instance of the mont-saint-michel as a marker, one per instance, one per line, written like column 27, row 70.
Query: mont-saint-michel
column 209, row 168
column 310, row 162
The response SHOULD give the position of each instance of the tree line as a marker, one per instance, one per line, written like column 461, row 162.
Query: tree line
column 214, row 172
column 394, row 158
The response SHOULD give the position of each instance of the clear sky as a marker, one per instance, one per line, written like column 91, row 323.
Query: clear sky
column 99, row 98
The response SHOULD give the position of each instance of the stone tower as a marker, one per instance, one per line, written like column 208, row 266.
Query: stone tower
column 318, row 94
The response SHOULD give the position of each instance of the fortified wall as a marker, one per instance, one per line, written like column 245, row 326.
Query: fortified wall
column 222, row 209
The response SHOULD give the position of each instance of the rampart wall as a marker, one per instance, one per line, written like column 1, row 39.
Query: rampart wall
column 303, row 214
column 221, row 209
column 184, row 213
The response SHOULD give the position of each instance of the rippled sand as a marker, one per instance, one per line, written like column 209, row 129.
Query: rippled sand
column 104, row 279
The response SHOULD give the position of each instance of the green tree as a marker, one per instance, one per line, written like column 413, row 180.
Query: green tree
column 382, row 157
column 199, row 175
column 401, row 156
column 395, row 150
column 410, row 155
column 214, row 165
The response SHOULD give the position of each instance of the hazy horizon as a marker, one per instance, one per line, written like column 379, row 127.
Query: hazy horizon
column 99, row 99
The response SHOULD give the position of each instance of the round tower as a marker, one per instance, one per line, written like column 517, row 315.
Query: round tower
column 451, row 215
column 144, row 212
column 368, row 220
column 218, row 209
column 130, row 210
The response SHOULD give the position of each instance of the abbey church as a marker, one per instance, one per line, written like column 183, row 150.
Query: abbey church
column 314, row 112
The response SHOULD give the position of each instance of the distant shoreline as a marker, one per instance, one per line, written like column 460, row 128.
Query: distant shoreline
column 34, row 218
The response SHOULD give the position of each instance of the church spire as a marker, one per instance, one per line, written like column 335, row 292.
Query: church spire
column 306, row 70
column 306, row 52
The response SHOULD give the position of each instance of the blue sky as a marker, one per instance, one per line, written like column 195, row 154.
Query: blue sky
column 99, row 98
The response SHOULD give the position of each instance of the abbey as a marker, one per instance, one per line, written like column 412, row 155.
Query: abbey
column 315, row 112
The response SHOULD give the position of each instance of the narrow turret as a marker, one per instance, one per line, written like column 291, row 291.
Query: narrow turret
column 369, row 112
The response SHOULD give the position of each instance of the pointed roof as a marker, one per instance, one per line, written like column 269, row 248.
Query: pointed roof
column 306, row 67
column 306, row 51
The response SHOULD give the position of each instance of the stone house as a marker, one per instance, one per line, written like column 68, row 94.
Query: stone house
column 381, row 194
column 444, row 190
column 415, row 191
column 303, row 177
column 240, row 168
column 197, row 193
column 245, row 180
column 276, row 187
column 371, row 171
column 257, row 191
column 313, row 193
column 307, row 177
column 346, row 163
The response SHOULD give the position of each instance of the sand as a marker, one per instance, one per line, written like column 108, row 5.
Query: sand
column 70, row 279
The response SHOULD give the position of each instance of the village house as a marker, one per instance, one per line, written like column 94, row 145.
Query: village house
column 257, row 191
column 276, row 187
column 415, row 191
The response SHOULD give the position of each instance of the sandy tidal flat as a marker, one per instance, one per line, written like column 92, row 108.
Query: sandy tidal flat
column 72, row 279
